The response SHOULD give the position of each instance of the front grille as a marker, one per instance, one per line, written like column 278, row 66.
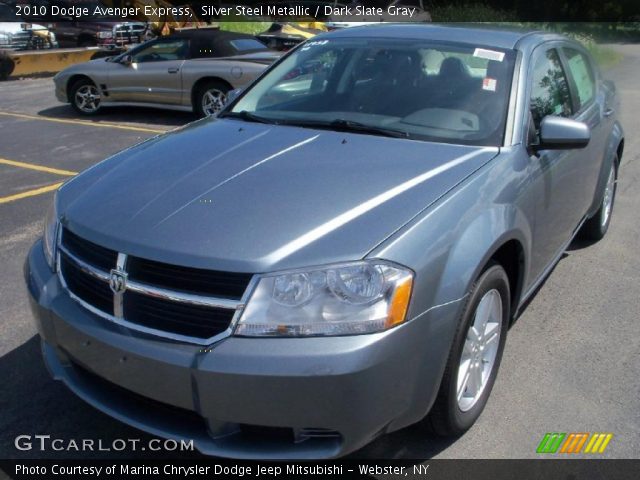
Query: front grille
column 20, row 41
column 129, row 34
column 181, row 318
column 89, row 252
column 170, row 299
column 188, row 280
column 88, row 288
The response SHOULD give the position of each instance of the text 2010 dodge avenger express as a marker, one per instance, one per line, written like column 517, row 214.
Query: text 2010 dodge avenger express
column 340, row 252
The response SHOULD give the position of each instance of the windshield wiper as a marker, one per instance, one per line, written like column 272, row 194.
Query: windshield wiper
column 339, row 124
column 247, row 117
column 343, row 125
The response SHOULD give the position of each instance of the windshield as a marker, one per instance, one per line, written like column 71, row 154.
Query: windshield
column 444, row 92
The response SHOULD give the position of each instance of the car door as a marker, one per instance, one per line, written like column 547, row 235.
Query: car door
column 582, row 81
column 154, row 74
column 560, row 197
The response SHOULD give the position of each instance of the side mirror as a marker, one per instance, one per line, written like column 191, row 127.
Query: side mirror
column 232, row 95
column 126, row 60
column 558, row 133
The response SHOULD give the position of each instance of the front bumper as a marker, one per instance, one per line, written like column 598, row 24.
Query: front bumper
column 61, row 89
column 268, row 398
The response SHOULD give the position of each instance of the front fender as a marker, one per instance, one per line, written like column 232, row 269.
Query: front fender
column 450, row 243
column 479, row 242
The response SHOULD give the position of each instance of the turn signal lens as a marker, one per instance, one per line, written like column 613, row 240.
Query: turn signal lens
column 400, row 303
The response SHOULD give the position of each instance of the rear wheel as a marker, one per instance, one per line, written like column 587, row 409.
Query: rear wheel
column 85, row 97
column 597, row 226
column 210, row 98
column 86, row 42
column 475, row 356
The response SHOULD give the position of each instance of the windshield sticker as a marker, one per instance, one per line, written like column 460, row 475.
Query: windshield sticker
column 308, row 45
column 489, row 84
column 488, row 54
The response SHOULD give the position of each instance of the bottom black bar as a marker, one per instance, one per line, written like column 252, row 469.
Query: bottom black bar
column 577, row 469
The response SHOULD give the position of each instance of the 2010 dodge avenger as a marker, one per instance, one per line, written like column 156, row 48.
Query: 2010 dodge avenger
column 339, row 254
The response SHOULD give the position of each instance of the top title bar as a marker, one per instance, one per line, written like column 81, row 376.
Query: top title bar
column 323, row 10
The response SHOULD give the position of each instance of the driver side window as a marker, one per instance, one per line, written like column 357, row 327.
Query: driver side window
column 550, row 90
column 160, row 50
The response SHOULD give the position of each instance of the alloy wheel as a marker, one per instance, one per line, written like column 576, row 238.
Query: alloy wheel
column 213, row 101
column 88, row 98
column 607, row 201
column 480, row 349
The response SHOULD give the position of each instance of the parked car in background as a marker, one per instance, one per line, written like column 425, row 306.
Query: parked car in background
column 25, row 36
column 325, row 263
column 284, row 36
column 191, row 70
column 72, row 32
column 105, row 33
column 17, row 33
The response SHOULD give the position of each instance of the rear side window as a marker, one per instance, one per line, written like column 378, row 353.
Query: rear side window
column 582, row 73
column 247, row 44
column 550, row 89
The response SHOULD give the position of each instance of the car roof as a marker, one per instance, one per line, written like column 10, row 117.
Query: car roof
column 209, row 33
column 495, row 36
column 217, row 40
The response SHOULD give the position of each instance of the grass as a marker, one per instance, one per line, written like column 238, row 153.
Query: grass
column 605, row 57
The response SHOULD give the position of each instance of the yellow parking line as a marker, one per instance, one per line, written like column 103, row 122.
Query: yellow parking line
column 30, row 193
column 39, row 168
column 82, row 122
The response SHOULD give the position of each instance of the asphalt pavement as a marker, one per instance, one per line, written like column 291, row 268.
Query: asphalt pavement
column 571, row 363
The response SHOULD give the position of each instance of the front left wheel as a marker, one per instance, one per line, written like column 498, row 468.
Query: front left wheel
column 475, row 355
column 85, row 97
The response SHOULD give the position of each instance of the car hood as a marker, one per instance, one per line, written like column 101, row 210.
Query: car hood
column 96, row 65
column 249, row 197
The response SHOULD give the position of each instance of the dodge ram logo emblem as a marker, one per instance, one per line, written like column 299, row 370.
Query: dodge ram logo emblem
column 118, row 281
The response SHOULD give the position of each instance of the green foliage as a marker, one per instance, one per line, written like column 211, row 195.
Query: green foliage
column 237, row 25
column 588, row 34
column 605, row 56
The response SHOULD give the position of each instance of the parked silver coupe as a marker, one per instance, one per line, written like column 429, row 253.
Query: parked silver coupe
column 192, row 70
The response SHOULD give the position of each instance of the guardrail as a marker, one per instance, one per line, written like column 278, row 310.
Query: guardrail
column 39, row 62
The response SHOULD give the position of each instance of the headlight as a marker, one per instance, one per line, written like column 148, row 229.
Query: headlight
column 50, row 235
column 347, row 299
column 104, row 34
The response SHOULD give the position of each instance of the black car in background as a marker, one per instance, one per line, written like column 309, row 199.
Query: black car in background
column 74, row 32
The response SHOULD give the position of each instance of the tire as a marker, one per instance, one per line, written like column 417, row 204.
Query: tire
column 596, row 227
column 85, row 97
column 456, row 409
column 6, row 65
column 84, row 42
column 210, row 98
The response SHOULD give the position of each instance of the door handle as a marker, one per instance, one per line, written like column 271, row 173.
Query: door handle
column 608, row 112
column 173, row 70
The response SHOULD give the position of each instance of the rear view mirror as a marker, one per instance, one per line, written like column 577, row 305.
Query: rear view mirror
column 126, row 60
column 558, row 133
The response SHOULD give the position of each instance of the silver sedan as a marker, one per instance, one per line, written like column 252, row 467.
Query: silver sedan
column 192, row 70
